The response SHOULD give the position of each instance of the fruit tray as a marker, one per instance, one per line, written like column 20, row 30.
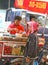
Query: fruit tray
column 13, row 49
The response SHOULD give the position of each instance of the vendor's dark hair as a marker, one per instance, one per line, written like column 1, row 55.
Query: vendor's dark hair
column 32, row 17
column 17, row 18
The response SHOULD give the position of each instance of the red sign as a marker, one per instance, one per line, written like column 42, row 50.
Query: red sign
column 18, row 3
column 34, row 6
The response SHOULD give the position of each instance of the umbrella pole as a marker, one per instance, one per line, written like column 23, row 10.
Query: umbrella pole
column 45, row 23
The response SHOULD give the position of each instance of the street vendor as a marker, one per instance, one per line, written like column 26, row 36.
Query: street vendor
column 16, row 27
column 32, row 25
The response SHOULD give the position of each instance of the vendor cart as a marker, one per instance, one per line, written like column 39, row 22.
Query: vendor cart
column 12, row 48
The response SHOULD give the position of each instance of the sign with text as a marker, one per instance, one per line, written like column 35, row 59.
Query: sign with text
column 34, row 6
column 18, row 3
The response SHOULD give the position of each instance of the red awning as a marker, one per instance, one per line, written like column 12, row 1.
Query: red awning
column 32, row 5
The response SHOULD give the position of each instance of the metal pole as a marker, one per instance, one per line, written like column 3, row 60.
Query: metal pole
column 45, row 23
column 8, row 3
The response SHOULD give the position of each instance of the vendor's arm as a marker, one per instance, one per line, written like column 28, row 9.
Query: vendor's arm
column 21, row 29
column 11, row 28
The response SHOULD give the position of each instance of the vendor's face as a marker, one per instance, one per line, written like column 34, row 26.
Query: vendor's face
column 32, row 19
column 17, row 22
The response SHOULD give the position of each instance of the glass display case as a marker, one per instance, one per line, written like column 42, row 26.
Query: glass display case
column 13, row 47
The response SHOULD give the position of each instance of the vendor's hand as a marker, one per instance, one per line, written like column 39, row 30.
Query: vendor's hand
column 12, row 29
column 20, row 32
column 16, row 29
column 27, row 59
